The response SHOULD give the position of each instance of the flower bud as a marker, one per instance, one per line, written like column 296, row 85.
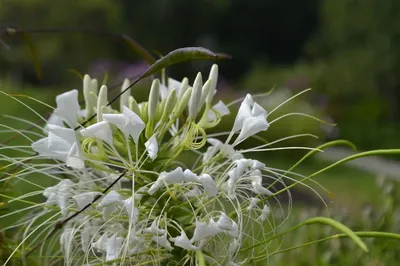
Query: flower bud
column 124, row 99
column 195, row 97
column 101, row 101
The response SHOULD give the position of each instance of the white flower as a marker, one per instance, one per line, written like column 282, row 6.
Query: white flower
column 162, row 241
column 109, row 203
column 153, row 229
column 224, row 222
column 250, row 120
column 59, row 194
column 114, row 244
column 265, row 213
column 152, row 147
column 133, row 212
column 100, row 130
column 208, row 184
column 173, row 177
column 219, row 107
column 68, row 107
column 61, row 144
column 183, row 242
column 204, row 230
column 253, row 203
column 83, row 199
column 101, row 243
column 128, row 122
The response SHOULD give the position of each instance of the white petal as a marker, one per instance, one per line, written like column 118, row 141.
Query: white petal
column 74, row 158
column 195, row 192
column 153, row 229
column 152, row 147
column 183, row 242
column 68, row 107
column 109, row 203
column 221, row 108
column 162, row 241
column 111, row 198
column 100, row 130
column 113, row 247
column 189, row 176
column 63, row 194
column 252, row 126
column 54, row 119
column 174, row 84
column 224, row 222
column 101, row 244
column 258, row 110
column 265, row 213
column 260, row 190
column 133, row 212
column 243, row 113
column 204, row 230
column 134, row 125
column 208, row 184
column 253, row 203
column 84, row 199
column 173, row 177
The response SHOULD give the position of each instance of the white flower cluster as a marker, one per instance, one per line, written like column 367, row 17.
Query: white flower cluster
column 125, row 195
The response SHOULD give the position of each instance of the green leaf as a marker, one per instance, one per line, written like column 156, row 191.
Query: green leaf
column 316, row 220
column 34, row 55
column 362, row 234
column 339, row 226
column 138, row 49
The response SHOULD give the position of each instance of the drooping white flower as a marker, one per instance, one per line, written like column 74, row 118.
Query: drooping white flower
column 205, row 230
column 153, row 229
column 183, row 242
column 224, row 222
column 208, row 184
column 152, row 147
column 133, row 212
column 128, row 122
column 114, row 244
column 109, row 203
column 59, row 194
column 83, row 199
column 253, row 203
column 101, row 243
column 68, row 107
column 162, row 241
column 173, row 177
column 265, row 213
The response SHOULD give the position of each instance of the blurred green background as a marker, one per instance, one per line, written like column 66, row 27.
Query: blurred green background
column 347, row 51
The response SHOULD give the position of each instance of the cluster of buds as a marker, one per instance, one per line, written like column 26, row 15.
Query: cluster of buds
column 126, row 194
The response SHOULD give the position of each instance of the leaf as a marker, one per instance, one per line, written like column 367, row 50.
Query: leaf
column 138, row 49
column 322, row 220
column 76, row 72
column 339, row 226
column 33, row 53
